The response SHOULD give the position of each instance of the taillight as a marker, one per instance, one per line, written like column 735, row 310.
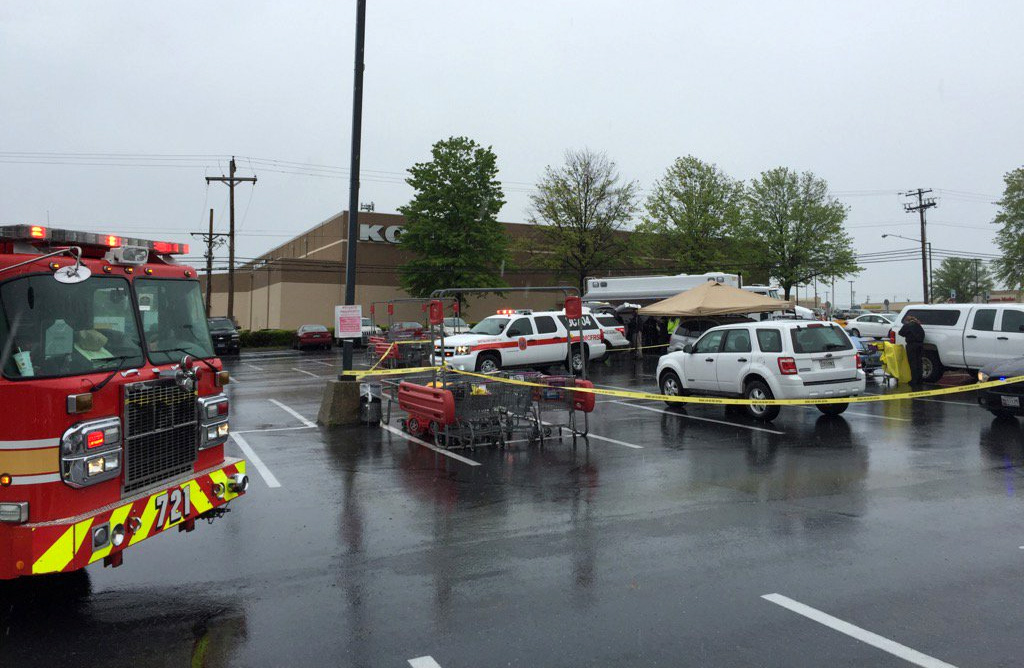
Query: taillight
column 892, row 336
column 95, row 439
column 787, row 366
column 860, row 362
column 621, row 330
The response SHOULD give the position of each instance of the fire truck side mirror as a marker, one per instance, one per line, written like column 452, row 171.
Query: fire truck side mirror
column 436, row 312
column 573, row 308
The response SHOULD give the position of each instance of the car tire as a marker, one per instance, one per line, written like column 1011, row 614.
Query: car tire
column 855, row 332
column 833, row 409
column 576, row 359
column 758, row 389
column 1003, row 415
column 671, row 386
column 931, row 367
column 488, row 363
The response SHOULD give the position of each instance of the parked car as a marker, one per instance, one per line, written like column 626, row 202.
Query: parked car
column 1003, row 401
column 870, row 355
column 767, row 360
column 691, row 329
column 965, row 336
column 869, row 325
column 612, row 329
column 312, row 336
column 226, row 339
column 400, row 331
column 453, row 326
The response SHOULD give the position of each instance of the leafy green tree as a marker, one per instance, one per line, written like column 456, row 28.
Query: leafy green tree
column 693, row 215
column 579, row 211
column 451, row 223
column 962, row 276
column 797, row 228
column 1010, row 268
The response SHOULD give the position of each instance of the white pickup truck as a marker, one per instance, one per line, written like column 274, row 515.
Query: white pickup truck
column 965, row 336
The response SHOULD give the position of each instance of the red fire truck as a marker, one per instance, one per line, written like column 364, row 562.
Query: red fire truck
column 114, row 417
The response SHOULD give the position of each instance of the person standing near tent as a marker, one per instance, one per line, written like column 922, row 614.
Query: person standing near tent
column 913, row 333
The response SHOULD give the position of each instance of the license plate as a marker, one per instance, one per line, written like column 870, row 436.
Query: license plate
column 826, row 364
column 1011, row 402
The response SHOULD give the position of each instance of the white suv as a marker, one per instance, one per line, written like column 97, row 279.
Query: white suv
column 522, row 338
column 767, row 360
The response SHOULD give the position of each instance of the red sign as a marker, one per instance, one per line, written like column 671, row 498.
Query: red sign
column 573, row 307
column 436, row 312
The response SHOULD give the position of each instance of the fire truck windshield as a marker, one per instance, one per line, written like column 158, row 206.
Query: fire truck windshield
column 173, row 319
column 50, row 329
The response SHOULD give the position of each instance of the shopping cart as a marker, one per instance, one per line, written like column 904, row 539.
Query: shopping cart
column 560, row 409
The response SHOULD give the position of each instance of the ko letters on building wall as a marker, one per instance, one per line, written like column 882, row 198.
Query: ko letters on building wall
column 386, row 234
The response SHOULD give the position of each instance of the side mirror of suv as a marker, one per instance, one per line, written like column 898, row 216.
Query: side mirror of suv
column 688, row 348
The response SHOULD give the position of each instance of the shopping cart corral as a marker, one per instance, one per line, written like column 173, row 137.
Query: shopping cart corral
column 468, row 412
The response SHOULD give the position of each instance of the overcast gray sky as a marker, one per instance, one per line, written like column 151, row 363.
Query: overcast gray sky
column 875, row 97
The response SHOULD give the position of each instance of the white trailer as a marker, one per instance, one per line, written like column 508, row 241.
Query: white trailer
column 650, row 288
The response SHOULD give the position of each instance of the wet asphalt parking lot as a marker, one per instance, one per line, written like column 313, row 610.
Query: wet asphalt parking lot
column 891, row 535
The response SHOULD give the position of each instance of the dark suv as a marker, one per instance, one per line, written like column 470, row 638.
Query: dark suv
column 226, row 340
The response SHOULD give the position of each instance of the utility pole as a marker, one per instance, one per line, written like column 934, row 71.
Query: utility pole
column 231, row 180
column 353, row 184
column 851, row 293
column 922, row 205
column 212, row 241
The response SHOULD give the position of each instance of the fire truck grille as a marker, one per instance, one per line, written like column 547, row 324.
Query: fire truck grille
column 161, row 432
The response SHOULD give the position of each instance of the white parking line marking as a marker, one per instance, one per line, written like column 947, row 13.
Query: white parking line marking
column 873, row 639
column 612, row 440
column 251, row 455
column 429, row 446
column 305, row 372
column 260, row 431
column 600, row 438
column 424, row 662
column 702, row 419
column 323, row 363
column 624, row 389
column 253, row 366
column 293, row 413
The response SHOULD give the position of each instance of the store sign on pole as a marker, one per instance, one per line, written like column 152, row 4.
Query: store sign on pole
column 348, row 321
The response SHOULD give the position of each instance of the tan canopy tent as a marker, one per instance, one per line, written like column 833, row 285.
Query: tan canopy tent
column 714, row 299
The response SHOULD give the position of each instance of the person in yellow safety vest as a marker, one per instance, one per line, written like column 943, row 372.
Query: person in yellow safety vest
column 672, row 324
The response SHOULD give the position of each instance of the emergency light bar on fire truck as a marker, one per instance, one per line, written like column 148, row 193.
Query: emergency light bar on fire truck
column 37, row 233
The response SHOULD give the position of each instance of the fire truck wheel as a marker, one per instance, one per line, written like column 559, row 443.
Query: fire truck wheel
column 488, row 363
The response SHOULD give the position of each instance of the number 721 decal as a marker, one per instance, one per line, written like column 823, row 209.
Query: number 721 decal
column 173, row 504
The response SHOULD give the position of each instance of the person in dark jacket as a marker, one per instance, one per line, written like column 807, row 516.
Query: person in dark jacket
column 913, row 334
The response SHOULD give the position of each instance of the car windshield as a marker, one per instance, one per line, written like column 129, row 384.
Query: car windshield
column 490, row 326
column 819, row 340
column 173, row 319
column 220, row 324
column 50, row 329
column 367, row 322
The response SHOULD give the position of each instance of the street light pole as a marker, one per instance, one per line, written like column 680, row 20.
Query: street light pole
column 851, row 293
column 353, row 185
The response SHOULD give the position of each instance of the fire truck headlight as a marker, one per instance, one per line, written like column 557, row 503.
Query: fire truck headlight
column 14, row 513
column 94, row 466
column 111, row 462
column 222, row 430
column 117, row 535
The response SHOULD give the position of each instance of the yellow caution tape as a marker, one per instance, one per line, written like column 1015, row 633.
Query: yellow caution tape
column 862, row 399
column 382, row 357
column 390, row 372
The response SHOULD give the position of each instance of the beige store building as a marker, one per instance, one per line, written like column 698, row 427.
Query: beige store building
column 301, row 281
